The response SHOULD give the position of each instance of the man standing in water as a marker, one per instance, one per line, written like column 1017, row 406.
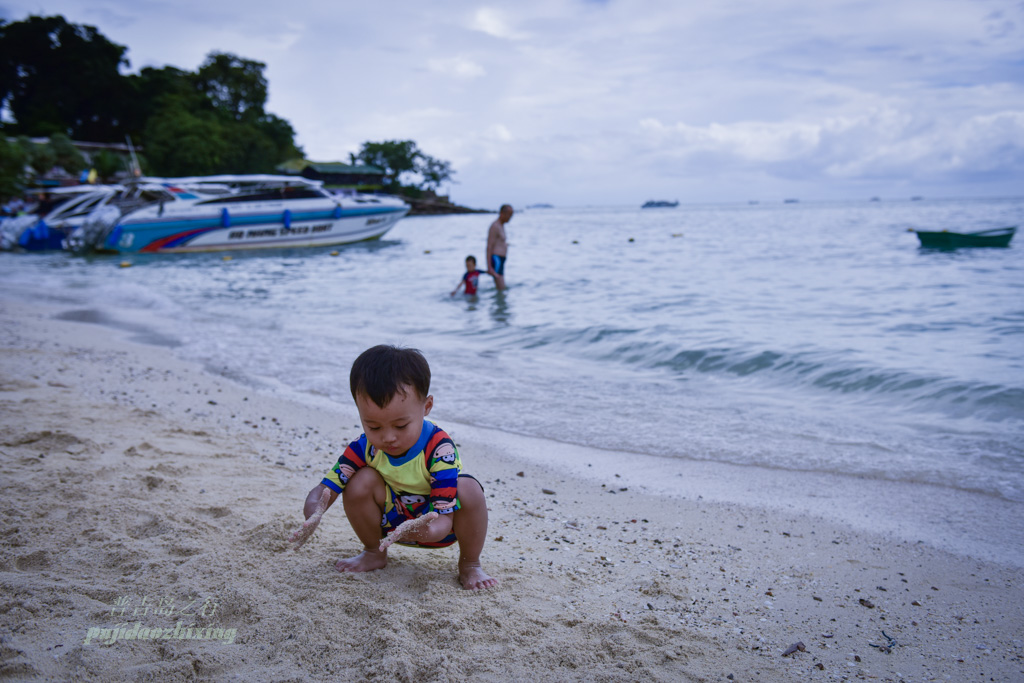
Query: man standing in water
column 497, row 246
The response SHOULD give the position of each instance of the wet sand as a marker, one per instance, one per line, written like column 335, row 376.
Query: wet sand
column 145, row 493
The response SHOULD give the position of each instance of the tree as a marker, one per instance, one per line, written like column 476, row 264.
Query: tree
column 43, row 159
column 179, row 141
column 435, row 172
column 397, row 157
column 249, row 150
column 149, row 91
column 12, row 168
column 61, row 77
column 40, row 157
column 394, row 157
column 65, row 154
column 223, row 102
column 182, row 139
column 281, row 133
column 234, row 85
column 107, row 164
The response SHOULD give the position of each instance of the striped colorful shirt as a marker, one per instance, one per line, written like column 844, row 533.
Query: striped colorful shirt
column 426, row 473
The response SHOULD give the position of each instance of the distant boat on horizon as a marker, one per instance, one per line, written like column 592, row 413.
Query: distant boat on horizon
column 790, row 201
column 659, row 204
column 539, row 206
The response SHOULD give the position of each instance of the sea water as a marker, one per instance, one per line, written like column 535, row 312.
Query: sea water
column 813, row 337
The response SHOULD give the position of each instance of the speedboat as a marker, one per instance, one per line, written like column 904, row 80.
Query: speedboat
column 229, row 212
column 660, row 204
column 54, row 219
column 945, row 239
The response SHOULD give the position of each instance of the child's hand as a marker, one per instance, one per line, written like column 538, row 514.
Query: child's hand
column 298, row 538
column 407, row 529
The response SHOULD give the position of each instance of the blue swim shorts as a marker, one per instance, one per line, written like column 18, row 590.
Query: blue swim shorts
column 398, row 511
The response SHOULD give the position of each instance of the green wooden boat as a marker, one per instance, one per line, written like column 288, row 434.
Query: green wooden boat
column 944, row 239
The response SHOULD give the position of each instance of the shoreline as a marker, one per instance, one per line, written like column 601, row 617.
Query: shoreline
column 969, row 523
column 130, row 473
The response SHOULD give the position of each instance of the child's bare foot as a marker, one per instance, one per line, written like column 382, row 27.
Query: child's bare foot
column 366, row 561
column 474, row 578
column 406, row 529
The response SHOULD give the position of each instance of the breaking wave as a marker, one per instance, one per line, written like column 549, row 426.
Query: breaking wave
column 813, row 372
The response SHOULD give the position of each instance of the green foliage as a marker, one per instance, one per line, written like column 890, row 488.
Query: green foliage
column 61, row 77
column 394, row 157
column 234, row 85
column 42, row 159
column 65, row 154
column 282, row 135
column 219, row 109
column 107, row 164
column 435, row 172
column 398, row 157
column 180, row 142
column 27, row 146
column 39, row 157
column 249, row 149
column 149, row 92
column 12, row 168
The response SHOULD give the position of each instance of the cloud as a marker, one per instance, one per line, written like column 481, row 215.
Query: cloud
column 459, row 67
column 878, row 144
column 605, row 101
column 494, row 23
column 746, row 141
column 500, row 133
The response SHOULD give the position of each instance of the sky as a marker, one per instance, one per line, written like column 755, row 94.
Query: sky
column 588, row 102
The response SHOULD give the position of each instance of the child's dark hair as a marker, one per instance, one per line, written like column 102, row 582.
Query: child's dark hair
column 379, row 372
column 471, row 258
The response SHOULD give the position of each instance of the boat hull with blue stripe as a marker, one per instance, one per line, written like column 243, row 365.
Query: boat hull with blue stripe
column 220, row 213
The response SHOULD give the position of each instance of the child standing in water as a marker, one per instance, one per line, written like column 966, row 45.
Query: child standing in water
column 471, row 278
column 401, row 481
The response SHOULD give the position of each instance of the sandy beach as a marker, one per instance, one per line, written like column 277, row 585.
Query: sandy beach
column 147, row 502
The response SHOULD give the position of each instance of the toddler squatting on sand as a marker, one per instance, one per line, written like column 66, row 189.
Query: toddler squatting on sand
column 401, row 481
